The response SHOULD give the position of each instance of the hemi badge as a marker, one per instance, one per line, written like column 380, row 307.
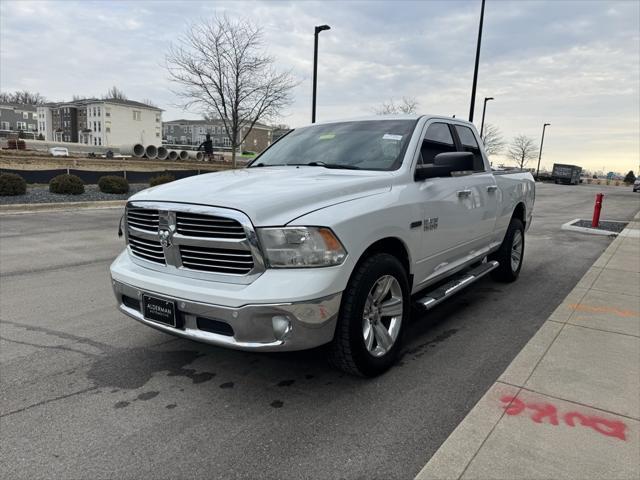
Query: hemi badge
column 416, row 224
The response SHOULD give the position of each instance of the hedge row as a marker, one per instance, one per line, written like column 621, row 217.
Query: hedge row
column 14, row 184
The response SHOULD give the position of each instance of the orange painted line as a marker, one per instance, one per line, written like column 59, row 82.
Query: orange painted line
column 595, row 309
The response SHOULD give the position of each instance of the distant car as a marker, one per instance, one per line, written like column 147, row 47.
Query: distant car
column 59, row 152
column 636, row 185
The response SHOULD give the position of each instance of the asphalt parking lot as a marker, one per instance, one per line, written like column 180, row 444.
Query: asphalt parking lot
column 88, row 393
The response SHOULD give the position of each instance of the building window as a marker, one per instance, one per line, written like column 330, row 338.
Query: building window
column 107, row 112
column 25, row 115
column 98, row 111
column 107, row 129
column 99, row 126
column 5, row 125
column 137, row 115
column 99, row 141
column 157, row 117
column 95, row 141
column 94, row 111
column 32, row 127
column 21, row 125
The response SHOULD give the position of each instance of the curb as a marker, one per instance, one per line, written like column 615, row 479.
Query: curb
column 60, row 206
column 592, row 231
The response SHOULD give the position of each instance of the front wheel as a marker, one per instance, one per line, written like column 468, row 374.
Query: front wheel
column 375, row 307
column 510, row 254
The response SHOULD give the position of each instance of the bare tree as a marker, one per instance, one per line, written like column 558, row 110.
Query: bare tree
column 114, row 93
column 522, row 149
column 492, row 138
column 220, row 67
column 406, row 105
column 148, row 101
column 22, row 97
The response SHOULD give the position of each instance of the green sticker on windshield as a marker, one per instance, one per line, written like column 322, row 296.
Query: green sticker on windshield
column 327, row 136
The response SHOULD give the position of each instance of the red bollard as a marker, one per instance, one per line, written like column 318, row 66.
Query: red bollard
column 597, row 208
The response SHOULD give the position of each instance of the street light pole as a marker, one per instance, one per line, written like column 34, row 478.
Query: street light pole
column 317, row 30
column 484, row 109
column 540, row 151
column 475, row 72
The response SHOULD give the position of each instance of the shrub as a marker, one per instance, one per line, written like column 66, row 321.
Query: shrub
column 66, row 184
column 160, row 179
column 12, row 184
column 113, row 184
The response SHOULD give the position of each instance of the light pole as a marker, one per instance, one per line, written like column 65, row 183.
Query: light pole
column 475, row 71
column 317, row 30
column 484, row 109
column 540, row 151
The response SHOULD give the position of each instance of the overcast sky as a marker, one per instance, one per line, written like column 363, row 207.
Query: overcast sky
column 574, row 64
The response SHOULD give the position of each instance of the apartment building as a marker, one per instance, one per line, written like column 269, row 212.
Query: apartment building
column 17, row 118
column 194, row 132
column 101, row 122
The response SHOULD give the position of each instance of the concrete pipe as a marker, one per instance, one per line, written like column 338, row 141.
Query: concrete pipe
column 193, row 155
column 173, row 155
column 135, row 150
column 163, row 153
column 151, row 151
column 183, row 154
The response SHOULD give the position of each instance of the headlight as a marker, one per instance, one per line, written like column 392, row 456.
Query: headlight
column 291, row 247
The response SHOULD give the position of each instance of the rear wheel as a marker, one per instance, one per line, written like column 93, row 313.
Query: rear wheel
column 510, row 254
column 374, row 310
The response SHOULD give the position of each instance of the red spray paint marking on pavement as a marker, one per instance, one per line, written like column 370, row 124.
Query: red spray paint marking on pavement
column 546, row 411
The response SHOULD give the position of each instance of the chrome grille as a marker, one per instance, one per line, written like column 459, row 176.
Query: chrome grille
column 148, row 249
column 197, row 241
column 208, row 226
column 143, row 219
column 217, row 260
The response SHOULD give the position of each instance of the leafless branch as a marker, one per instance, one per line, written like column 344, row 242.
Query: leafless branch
column 219, row 67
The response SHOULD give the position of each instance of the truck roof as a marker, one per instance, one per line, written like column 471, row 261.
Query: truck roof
column 386, row 117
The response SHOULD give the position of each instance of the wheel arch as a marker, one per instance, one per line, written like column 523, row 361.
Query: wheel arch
column 520, row 212
column 392, row 246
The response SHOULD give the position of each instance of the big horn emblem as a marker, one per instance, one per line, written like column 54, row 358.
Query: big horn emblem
column 165, row 238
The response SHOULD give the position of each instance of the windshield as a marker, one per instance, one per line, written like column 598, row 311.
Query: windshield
column 365, row 145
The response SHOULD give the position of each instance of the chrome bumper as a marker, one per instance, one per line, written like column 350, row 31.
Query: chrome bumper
column 265, row 327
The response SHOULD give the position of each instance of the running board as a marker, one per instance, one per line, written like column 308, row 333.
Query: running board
column 454, row 286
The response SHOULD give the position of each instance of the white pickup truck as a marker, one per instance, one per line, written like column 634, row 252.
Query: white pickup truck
column 328, row 237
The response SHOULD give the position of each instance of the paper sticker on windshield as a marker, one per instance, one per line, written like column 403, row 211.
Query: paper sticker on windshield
column 327, row 136
column 389, row 136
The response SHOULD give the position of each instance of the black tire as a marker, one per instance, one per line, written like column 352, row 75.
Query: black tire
column 505, row 272
column 348, row 351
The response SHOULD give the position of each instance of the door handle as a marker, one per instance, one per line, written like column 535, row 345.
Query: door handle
column 464, row 193
column 492, row 188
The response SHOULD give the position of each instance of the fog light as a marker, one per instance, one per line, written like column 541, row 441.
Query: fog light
column 281, row 326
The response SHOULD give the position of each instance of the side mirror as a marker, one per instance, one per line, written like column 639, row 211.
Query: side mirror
column 444, row 164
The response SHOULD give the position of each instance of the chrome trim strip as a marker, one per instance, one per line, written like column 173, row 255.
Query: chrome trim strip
column 167, row 220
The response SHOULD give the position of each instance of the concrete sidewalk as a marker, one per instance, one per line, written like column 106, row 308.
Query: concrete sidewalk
column 568, row 406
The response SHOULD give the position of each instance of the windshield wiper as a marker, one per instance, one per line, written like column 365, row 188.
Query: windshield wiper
column 327, row 165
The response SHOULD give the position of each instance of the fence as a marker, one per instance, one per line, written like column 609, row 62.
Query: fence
column 91, row 176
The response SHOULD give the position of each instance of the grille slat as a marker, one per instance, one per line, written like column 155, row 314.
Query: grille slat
column 143, row 219
column 147, row 249
column 216, row 260
column 208, row 226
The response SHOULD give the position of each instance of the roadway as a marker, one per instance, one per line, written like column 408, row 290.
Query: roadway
column 88, row 393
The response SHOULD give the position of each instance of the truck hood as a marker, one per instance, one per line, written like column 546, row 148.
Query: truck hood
column 271, row 195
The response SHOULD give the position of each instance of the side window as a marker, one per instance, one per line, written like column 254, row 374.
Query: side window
column 437, row 140
column 469, row 144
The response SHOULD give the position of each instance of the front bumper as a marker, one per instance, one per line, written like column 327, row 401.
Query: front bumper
column 266, row 327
